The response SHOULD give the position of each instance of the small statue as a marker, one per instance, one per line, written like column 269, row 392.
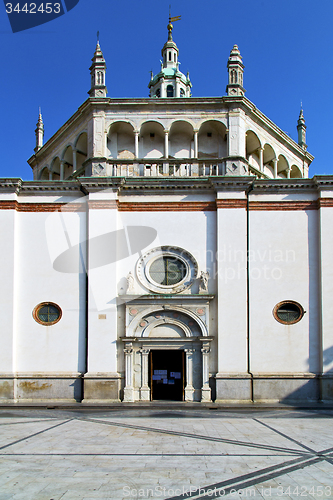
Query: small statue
column 203, row 285
column 130, row 282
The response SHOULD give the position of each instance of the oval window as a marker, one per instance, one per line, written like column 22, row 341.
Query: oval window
column 167, row 270
column 47, row 313
column 288, row 312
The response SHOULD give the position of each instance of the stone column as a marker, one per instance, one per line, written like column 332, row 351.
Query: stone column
column 62, row 170
column 166, row 144
column 163, row 90
column 196, row 143
column 74, row 160
column 261, row 159
column 205, row 391
column 50, row 175
column 144, row 389
column 128, row 390
column 189, row 389
column 288, row 172
column 136, row 144
column 275, row 163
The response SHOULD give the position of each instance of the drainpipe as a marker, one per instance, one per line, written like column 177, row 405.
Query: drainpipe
column 248, row 283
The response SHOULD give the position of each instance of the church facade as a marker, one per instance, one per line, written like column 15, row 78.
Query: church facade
column 168, row 248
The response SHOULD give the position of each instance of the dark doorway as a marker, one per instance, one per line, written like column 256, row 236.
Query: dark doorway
column 167, row 375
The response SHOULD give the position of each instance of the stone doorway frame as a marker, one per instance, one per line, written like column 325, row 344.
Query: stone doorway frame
column 138, row 343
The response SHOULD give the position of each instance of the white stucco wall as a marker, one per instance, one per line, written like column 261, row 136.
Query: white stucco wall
column 326, row 292
column 231, row 270
column 60, row 347
column 8, row 248
column 284, row 266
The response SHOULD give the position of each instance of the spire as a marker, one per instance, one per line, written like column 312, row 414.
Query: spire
column 97, row 72
column 235, row 71
column 301, row 128
column 170, row 82
column 39, row 132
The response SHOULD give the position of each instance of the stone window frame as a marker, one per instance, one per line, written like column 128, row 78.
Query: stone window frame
column 145, row 261
column 38, row 308
column 284, row 302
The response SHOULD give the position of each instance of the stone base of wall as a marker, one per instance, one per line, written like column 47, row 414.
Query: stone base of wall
column 233, row 388
column 105, row 388
column 327, row 387
column 6, row 388
column 265, row 388
column 101, row 387
column 287, row 388
column 40, row 387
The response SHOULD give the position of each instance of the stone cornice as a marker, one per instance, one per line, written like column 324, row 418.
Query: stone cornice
column 10, row 185
column 165, row 184
column 281, row 185
column 241, row 183
column 96, row 184
column 324, row 182
column 34, row 188
column 140, row 185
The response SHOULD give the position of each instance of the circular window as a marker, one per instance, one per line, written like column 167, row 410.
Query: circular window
column 47, row 313
column 167, row 270
column 288, row 312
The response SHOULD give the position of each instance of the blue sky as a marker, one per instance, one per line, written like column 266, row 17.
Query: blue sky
column 286, row 45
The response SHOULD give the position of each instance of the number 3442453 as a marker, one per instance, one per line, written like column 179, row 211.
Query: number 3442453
column 33, row 8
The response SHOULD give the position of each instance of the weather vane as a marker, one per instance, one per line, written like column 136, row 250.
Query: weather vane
column 172, row 20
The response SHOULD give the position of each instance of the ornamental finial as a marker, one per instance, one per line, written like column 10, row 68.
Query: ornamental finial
column 170, row 26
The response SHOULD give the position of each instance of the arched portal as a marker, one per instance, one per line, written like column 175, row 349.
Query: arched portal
column 169, row 346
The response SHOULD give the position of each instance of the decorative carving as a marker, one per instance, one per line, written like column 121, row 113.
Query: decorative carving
column 203, row 286
column 128, row 349
column 99, row 169
column 189, row 352
column 130, row 282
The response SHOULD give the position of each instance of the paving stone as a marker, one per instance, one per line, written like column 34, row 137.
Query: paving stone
column 94, row 456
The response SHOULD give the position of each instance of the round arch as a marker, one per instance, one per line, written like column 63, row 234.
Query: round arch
column 282, row 166
column 67, row 158
column 151, row 139
column 252, row 146
column 253, row 142
column 44, row 174
column 120, row 140
column 181, row 143
column 81, row 146
column 268, row 157
column 295, row 172
column 55, row 168
column 211, row 139
column 134, row 329
column 150, row 328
